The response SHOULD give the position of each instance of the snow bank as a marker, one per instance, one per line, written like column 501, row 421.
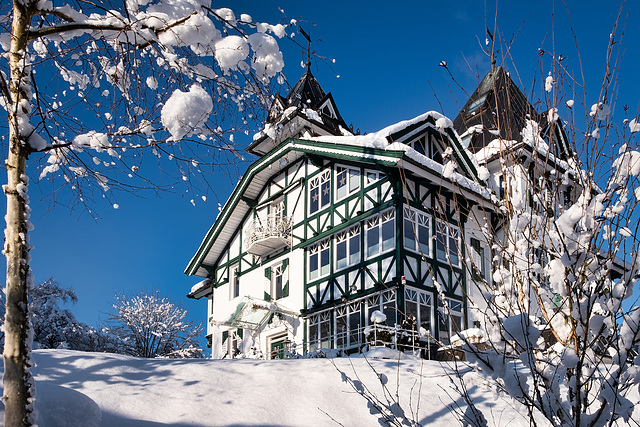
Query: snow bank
column 86, row 389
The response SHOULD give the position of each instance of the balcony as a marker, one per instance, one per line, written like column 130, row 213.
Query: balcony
column 267, row 235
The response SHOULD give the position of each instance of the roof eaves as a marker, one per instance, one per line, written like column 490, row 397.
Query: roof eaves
column 332, row 150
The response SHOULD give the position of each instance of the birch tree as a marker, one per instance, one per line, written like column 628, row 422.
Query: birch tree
column 93, row 93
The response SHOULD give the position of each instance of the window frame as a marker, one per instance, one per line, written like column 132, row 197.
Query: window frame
column 321, row 182
column 234, row 281
column 315, row 325
column 349, row 238
column 421, row 299
column 351, row 175
column 456, row 311
column 319, row 249
column 277, row 273
column 416, row 221
column 445, row 237
column 376, row 225
column 477, row 259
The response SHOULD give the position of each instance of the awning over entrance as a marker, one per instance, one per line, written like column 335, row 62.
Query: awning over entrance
column 251, row 313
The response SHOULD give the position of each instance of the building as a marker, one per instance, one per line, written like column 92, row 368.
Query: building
column 327, row 228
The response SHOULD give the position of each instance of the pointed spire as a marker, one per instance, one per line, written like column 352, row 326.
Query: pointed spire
column 497, row 104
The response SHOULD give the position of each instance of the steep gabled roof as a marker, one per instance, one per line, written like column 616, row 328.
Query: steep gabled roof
column 384, row 148
column 497, row 108
column 308, row 107
column 307, row 91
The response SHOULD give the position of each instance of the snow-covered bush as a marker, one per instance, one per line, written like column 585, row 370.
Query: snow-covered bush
column 151, row 326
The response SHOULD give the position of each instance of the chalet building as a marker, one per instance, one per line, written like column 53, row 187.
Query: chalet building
column 328, row 230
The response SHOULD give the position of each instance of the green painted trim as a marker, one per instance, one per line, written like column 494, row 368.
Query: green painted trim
column 290, row 145
column 402, row 133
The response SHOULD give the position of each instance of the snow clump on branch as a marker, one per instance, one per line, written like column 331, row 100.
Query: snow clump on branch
column 186, row 112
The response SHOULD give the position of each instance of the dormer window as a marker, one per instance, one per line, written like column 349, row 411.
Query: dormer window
column 476, row 105
column 428, row 145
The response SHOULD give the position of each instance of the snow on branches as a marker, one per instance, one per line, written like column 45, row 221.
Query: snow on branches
column 151, row 326
column 99, row 80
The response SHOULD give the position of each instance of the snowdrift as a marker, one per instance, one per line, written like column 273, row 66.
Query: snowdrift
column 94, row 389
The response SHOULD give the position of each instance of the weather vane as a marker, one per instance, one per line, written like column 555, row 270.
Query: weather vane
column 308, row 37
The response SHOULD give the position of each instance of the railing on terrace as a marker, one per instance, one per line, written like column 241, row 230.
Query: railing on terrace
column 266, row 235
column 373, row 336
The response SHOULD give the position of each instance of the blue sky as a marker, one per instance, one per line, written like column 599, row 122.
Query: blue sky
column 387, row 57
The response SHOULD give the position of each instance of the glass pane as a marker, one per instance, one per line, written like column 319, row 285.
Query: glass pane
column 390, row 311
column 457, row 324
column 324, row 262
column 313, row 266
column 453, row 247
column 341, row 254
column 373, row 241
column 341, row 182
column 425, row 317
column 411, row 309
column 354, row 327
column 354, row 179
column 278, row 286
column 354, row 249
column 341, row 332
column 409, row 235
column 440, row 245
column 313, row 194
column 388, row 235
column 423, row 238
column 326, row 194
column 419, row 146
column 313, row 331
column 324, row 334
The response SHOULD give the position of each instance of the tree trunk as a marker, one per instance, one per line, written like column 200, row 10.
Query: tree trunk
column 18, row 382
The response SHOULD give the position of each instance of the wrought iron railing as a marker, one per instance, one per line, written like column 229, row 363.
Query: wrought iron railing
column 376, row 335
column 264, row 228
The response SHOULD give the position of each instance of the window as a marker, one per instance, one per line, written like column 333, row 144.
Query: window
column 449, row 324
column 234, row 281
column 348, row 325
column 348, row 247
column 372, row 177
column 320, row 191
column 447, row 243
column 501, row 187
column 276, row 212
column 419, row 305
column 231, row 340
column 277, row 281
column 319, row 260
column 380, row 233
column 420, row 145
column 319, row 331
column 417, row 231
column 477, row 257
column 476, row 105
column 384, row 302
column 347, row 181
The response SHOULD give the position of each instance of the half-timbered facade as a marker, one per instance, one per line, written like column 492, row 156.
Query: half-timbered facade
column 328, row 227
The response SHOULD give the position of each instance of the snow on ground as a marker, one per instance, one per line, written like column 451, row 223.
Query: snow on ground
column 95, row 389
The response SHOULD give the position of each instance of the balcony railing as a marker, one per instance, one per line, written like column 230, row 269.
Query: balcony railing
column 267, row 235
column 376, row 335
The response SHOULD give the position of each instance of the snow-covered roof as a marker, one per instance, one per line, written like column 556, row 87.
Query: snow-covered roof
column 384, row 148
